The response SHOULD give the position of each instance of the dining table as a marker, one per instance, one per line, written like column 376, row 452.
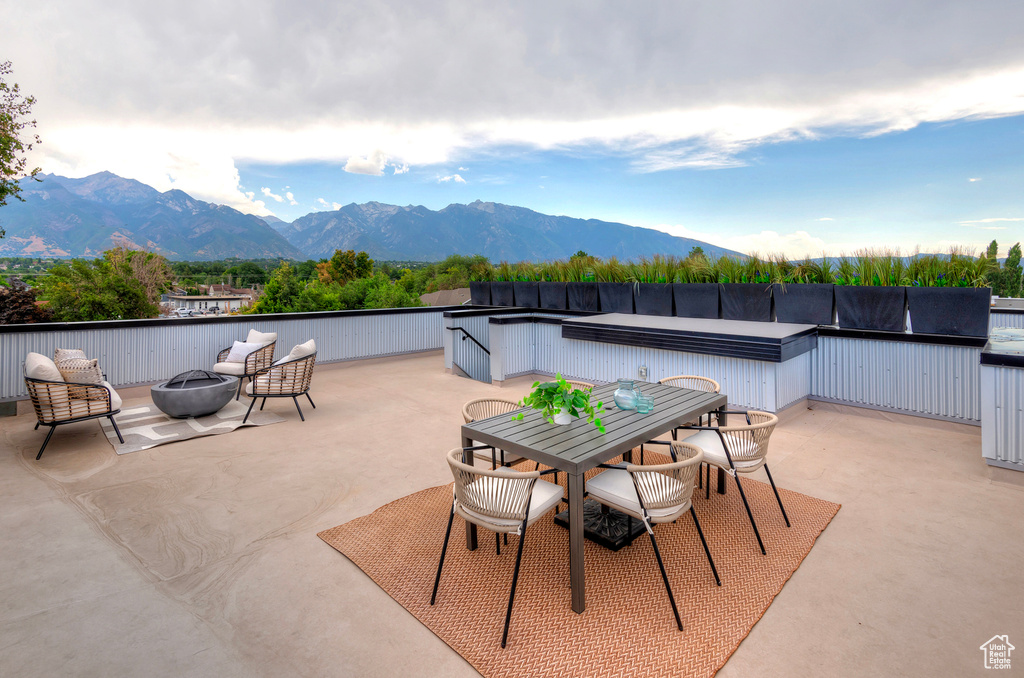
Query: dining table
column 579, row 446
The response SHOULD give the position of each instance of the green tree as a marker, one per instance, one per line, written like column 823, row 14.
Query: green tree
column 14, row 112
column 345, row 266
column 280, row 293
column 1007, row 282
column 124, row 284
column 247, row 274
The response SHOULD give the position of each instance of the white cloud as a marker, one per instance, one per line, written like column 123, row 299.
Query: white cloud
column 291, row 198
column 991, row 220
column 269, row 194
column 328, row 205
column 973, row 179
column 463, row 169
column 401, row 169
column 795, row 245
column 372, row 164
column 825, row 219
column 455, row 178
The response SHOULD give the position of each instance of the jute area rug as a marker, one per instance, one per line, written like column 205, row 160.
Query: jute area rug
column 628, row 628
column 146, row 426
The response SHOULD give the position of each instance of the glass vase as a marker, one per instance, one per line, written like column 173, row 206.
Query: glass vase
column 625, row 395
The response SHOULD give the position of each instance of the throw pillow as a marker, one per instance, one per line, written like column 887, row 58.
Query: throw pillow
column 262, row 338
column 299, row 351
column 239, row 350
column 68, row 353
column 38, row 366
column 80, row 370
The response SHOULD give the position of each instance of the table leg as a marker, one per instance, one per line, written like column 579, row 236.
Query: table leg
column 722, row 416
column 470, row 527
column 576, row 486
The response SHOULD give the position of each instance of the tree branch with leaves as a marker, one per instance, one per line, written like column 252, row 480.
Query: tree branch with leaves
column 14, row 125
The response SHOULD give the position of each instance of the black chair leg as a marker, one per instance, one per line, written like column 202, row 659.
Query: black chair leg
column 750, row 514
column 262, row 403
column 48, row 434
column 707, row 551
column 37, row 427
column 298, row 408
column 249, row 410
column 116, row 429
column 310, row 400
column 237, row 395
column 440, row 564
column 497, row 544
column 777, row 498
column 512, row 593
column 664, row 577
column 707, row 485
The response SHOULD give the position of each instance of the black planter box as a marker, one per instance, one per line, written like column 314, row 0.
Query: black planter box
column 807, row 304
column 480, row 293
column 747, row 301
column 653, row 299
column 956, row 311
column 501, row 294
column 582, row 296
column 552, row 296
column 616, row 297
column 526, row 294
column 863, row 307
column 696, row 300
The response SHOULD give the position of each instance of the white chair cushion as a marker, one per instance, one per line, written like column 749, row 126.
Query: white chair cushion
column 299, row 351
column 234, row 369
column 614, row 487
column 240, row 349
column 714, row 453
column 261, row 338
column 115, row 400
column 544, row 498
column 38, row 366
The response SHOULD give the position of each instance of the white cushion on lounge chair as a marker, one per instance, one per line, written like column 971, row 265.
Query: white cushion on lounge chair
column 261, row 338
column 115, row 400
column 299, row 351
column 38, row 366
column 615, row 487
column 240, row 349
column 545, row 496
column 233, row 369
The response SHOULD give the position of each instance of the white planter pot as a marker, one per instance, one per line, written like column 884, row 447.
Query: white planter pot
column 563, row 418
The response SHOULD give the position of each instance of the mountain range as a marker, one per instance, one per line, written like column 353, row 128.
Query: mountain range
column 82, row 217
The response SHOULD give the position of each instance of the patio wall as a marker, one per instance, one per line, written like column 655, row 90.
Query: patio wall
column 1002, row 430
column 147, row 351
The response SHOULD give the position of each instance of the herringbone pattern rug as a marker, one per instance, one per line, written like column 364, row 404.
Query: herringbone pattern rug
column 627, row 628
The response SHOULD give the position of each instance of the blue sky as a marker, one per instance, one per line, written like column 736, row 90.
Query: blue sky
column 793, row 127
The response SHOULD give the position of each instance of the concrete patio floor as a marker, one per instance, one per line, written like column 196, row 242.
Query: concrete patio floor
column 201, row 558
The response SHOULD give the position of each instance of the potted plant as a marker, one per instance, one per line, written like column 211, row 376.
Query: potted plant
column 581, row 285
column 947, row 296
column 806, row 293
column 652, row 293
column 614, row 292
column 870, row 294
column 501, row 285
column 559, row 403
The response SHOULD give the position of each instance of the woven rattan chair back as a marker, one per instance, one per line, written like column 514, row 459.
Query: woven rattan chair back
column 668, row 486
column 748, row 443
column 285, row 379
column 485, row 408
column 692, row 381
column 580, row 385
column 481, row 493
column 58, row 401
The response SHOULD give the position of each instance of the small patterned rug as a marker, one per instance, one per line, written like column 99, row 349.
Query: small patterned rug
column 145, row 426
column 628, row 627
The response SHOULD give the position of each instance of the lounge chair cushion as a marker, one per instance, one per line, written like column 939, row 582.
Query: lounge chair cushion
column 714, row 453
column 261, row 338
column 80, row 370
column 68, row 353
column 299, row 351
column 38, row 366
column 115, row 400
column 615, row 488
column 240, row 349
column 233, row 369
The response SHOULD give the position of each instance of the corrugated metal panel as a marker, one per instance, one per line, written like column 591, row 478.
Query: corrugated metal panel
column 1003, row 427
column 473, row 360
column 1005, row 320
column 933, row 380
column 792, row 380
column 145, row 354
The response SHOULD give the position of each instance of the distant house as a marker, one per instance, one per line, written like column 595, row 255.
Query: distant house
column 997, row 651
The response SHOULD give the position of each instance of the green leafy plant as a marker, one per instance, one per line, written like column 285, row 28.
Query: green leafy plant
column 554, row 397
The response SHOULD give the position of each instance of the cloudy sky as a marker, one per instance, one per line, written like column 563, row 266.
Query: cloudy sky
column 796, row 126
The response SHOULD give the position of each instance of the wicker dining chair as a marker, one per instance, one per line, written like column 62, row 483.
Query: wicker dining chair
column 485, row 408
column 580, row 385
column 501, row 500
column 254, row 361
column 60, row 402
column 739, row 449
column 655, row 493
column 284, row 379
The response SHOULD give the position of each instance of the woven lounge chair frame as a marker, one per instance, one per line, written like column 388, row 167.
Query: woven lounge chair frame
column 58, row 402
column 257, row 360
column 746, row 450
column 496, row 500
column 663, row 493
column 285, row 380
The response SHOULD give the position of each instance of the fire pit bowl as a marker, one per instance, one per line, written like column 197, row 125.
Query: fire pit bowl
column 194, row 394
